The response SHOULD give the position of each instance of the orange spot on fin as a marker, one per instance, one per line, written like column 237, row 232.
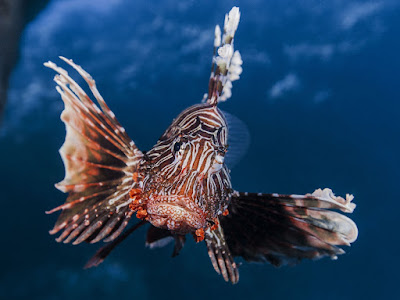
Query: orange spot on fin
column 135, row 177
column 134, row 192
column 215, row 226
column 141, row 214
column 199, row 235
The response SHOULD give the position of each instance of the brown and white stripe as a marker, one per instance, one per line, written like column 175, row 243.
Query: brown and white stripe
column 189, row 159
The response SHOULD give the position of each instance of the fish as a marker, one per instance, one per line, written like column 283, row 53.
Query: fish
column 182, row 186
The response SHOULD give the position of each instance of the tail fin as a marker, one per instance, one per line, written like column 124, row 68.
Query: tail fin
column 100, row 162
column 287, row 228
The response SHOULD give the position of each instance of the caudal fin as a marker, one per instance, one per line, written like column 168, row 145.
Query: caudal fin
column 100, row 162
column 288, row 228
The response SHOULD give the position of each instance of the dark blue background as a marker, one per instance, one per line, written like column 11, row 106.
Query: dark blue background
column 332, row 120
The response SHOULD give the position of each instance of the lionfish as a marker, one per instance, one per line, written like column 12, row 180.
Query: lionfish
column 182, row 185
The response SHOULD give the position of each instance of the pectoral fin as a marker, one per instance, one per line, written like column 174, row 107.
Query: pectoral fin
column 288, row 228
column 100, row 163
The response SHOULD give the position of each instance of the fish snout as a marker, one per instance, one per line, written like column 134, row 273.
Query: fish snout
column 177, row 214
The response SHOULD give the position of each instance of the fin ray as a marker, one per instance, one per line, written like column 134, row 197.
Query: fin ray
column 287, row 228
column 100, row 160
column 220, row 255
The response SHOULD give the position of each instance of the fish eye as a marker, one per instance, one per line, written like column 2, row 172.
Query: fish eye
column 177, row 146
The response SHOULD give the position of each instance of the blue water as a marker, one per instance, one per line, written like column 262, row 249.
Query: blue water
column 319, row 93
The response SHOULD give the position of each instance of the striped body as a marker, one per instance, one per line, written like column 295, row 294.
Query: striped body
column 185, row 180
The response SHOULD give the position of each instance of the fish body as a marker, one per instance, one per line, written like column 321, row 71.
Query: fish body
column 185, row 181
column 182, row 184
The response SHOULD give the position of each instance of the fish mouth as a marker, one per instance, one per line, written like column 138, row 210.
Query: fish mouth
column 177, row 215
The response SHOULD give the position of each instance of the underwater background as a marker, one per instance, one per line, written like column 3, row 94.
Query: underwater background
column 320, row 95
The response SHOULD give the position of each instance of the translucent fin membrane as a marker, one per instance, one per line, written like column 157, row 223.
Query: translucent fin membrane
column 238, row 140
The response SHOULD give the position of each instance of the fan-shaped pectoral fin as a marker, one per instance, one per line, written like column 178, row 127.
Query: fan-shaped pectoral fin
column 288, row 228
column 100, row 165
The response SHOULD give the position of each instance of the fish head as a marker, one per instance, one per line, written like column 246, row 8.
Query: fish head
column 187, row 183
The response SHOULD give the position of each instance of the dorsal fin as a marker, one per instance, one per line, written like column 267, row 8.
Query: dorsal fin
column 226, row 63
